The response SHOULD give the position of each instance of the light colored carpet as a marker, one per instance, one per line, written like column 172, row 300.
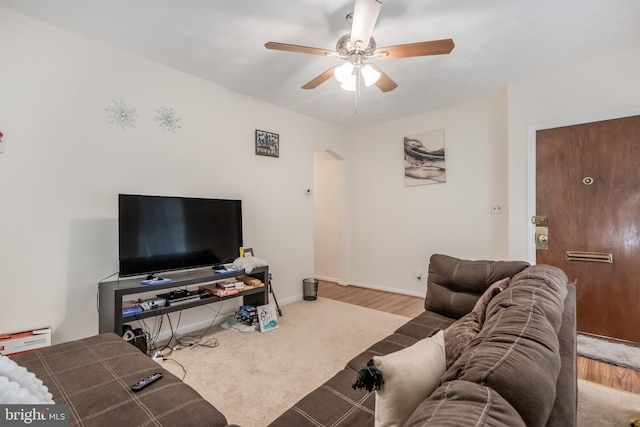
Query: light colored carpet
column 254, row 377
column 603, row 406
column 610, row 352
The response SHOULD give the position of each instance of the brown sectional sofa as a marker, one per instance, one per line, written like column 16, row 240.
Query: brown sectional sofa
column 519, row 370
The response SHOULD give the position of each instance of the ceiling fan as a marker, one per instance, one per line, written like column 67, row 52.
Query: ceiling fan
column 359, row 46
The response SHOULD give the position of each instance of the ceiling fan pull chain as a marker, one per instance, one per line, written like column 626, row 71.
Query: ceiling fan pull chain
column 357, row 91
column 355, row 101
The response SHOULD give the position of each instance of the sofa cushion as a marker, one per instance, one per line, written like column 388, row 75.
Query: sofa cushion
column 454, row 285
column 389, row 344
column 461, row 403
column 424, row 325
column 334, row 403
column 409, row 376
column 458, row 336
column 517, row 351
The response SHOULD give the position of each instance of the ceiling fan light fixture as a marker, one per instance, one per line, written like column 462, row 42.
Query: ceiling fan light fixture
column 349, row 85
column 369, row 74
column 359, row 46
column 344, row 72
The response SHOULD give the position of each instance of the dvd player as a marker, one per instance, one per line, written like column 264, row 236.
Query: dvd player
column 180, row 296
column 184, row 300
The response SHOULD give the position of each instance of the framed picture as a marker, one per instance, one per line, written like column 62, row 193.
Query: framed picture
column 424, row 159
column 267, row 144
column 267, row 317
column 247, row 252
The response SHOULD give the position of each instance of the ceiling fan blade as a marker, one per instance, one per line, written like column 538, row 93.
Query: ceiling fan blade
column 365, row 15
column 320, row 79
column 435, row 47
column 384, row 83
column 299, row 49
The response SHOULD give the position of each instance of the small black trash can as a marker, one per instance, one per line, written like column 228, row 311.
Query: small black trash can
column 310, row 289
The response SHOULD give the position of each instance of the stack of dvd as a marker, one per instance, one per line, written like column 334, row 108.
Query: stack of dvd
column 247, row 314
column 129, row 308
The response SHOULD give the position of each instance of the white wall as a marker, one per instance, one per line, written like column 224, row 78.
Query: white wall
column 64, row 165
column 591, row 91
column 395, row 229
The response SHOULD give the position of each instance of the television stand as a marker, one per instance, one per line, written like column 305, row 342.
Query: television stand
column 111, row 295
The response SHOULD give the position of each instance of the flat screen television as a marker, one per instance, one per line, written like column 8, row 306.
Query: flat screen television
column 158, row 234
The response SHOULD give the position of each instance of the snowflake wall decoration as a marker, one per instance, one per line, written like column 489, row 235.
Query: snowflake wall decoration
column 167, row 119
column 122, row 114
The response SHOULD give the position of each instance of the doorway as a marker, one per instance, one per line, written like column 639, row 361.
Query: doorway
column 329, row 211
column 588, row 189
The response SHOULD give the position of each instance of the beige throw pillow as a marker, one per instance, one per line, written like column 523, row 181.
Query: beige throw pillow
column 410, row 376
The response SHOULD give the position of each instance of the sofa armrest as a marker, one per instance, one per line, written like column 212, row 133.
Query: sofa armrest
column 564, row 412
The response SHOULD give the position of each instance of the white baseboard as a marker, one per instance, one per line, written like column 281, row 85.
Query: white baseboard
column 378, row 288
column 327, row 279
column 392, row 290
column 287, row 300
column 333, row 280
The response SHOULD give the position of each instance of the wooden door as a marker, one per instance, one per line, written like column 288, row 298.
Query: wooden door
column 588, row 186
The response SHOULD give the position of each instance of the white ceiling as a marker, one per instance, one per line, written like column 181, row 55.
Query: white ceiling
column 497, row 42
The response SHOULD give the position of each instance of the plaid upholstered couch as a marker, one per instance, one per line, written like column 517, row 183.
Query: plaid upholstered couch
column 519, row 370
column 94, row 376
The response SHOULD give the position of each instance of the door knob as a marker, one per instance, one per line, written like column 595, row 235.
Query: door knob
column 542, row 231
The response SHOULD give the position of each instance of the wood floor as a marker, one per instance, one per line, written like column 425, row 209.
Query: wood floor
column 404, row 305
column 408, row 306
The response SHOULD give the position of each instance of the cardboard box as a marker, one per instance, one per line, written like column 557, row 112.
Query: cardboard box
column 250, row 282
column 18, row 342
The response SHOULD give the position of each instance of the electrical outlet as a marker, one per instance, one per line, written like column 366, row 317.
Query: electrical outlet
column 418, row 275
column 496, row 208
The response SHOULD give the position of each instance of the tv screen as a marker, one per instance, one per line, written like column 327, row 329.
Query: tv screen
column 159, row 233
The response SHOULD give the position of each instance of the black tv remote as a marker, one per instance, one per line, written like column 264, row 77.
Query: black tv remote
column 145, row 382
